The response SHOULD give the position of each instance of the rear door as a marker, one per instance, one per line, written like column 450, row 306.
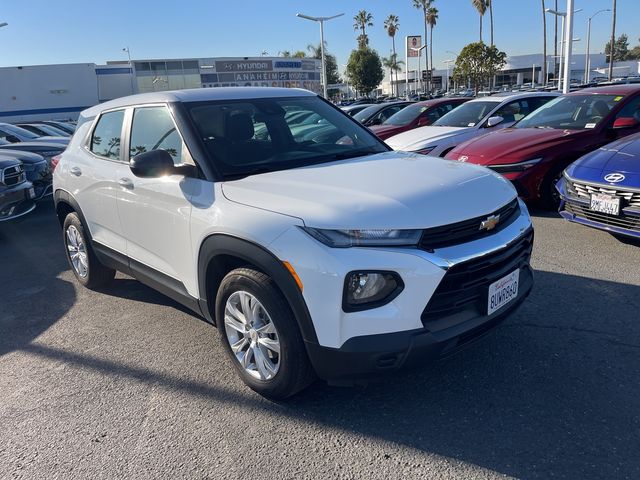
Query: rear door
column 155, row 212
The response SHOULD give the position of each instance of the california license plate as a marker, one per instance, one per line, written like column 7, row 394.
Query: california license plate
column 603, row 203
column 503, row 291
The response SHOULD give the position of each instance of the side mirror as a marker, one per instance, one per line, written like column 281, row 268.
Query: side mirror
column 625, row 122
column 493, row 121
column 155, row 163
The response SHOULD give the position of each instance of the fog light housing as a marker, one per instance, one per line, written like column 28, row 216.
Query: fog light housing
column 364, row 290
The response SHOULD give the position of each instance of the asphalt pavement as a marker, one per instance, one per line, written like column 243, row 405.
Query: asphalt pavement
column 125, row 383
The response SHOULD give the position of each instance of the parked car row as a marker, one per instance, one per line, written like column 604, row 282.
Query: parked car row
column 27, row 159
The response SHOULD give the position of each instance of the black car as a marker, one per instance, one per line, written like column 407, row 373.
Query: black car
column 16, row 192
column 64, row 126
column 378, row 113
column 37, row 169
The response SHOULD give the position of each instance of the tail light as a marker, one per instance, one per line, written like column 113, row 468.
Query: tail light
column 54, row 162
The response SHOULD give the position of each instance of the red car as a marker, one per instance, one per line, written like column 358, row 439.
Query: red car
column 416, row 115
column 535, row 151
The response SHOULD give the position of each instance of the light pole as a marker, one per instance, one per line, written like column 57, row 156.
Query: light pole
column 448, row 62
column 587, row 59
column 321, row 21
column 126, row 49
column 419, row 69
column 567, row 43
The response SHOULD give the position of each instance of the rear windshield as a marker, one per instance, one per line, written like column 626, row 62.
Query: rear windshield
column 244, row 137
column 466, row 115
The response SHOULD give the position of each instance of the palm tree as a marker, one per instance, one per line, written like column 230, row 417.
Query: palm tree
column 544, row 45
column 316, row 50
column 432, row 19
column 481, row 6
column 361, row 21
column 391, row 25
column 394, row 65
column 489, row 3
column 424, row 5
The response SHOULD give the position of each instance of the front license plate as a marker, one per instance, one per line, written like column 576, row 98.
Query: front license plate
column 503, row 291
column 601, row 202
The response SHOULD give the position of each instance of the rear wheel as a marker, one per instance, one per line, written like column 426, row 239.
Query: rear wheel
column 86, row 267
column 261, row 336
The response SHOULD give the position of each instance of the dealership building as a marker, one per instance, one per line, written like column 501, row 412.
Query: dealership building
column 62, row 91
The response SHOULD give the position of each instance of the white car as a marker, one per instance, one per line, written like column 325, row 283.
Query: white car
column 469, row 120
column 340, row 260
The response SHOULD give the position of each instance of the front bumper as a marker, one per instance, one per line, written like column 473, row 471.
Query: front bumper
column 17, row 201
column 578, row 210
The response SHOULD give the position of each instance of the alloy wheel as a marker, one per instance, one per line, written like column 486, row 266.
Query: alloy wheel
column 252, row 335
column 77, row 251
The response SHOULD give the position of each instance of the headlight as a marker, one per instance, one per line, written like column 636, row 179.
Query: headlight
column 364, row 238
column 366, row 289
column 515, row 167
column 425, row 151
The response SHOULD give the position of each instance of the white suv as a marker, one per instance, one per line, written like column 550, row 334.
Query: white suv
column 332, row 257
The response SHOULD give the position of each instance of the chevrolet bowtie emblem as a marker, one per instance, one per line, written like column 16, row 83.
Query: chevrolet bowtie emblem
column 490, row 222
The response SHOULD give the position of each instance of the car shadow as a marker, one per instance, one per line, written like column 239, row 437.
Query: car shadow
column 28, row 274
column 553, row 392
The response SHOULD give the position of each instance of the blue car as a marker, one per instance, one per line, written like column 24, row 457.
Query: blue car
column 602, row 189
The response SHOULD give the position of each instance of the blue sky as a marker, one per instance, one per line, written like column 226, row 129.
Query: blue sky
column 69, row 31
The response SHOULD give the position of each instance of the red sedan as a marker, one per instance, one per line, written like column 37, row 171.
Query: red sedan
column 535, row 151
column 416, row 115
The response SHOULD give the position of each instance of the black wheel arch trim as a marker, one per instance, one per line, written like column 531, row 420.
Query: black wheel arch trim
column 227, row 245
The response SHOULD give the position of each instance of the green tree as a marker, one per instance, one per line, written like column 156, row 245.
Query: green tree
column 365, row 70
column 331, row 64
column 361, row 21
column 432, row 20
column 299, row 54
column 634, row 53
column 481, row 6
column 394, row 65
column 286, row 53
column 424, row 5
column 621, row 51
column 391, row 25
column 478, row 63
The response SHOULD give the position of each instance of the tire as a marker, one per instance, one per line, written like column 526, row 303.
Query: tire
column 84, row 264
column 549, row 196
column 268, row 351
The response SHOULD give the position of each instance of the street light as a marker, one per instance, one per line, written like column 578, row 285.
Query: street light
column 419, row 69
column 126, row 49
column 321, row 21
column 448, row 62
column 587, row 59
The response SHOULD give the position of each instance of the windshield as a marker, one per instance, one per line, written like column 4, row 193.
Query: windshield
column 243, row 137
column 20, row 132
column 406, row 115
column 573, row 112
column 466, row 115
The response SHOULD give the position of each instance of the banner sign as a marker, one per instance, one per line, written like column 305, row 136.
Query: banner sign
column 414, row 41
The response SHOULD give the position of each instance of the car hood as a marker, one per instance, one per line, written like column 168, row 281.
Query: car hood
column 622, row 156
column 24, row 157
column 514, row 144
column 419, row 137
column 387, row 190
column 386, row 129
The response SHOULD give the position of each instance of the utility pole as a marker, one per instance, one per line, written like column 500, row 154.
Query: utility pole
column 568, row 45
column 612, row 45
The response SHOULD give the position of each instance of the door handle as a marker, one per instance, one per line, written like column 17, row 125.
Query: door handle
column 75, row 171
column 126, row 183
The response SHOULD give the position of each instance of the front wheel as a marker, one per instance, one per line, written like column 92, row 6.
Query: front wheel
column 549, row 195
column 261, row 336
column 86, row 267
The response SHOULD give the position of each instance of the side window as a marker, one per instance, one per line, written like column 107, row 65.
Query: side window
column 153, row 129
column 105, row 139
column 387, row 112
column 536, row 102
column 630, row 110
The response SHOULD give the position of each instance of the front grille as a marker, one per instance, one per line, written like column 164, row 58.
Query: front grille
column 584, row 191
column 465, row 285
column 11, row 176
column 628, row 222
column 468, row 230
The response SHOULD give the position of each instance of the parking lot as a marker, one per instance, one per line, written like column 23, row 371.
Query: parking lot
column 126, row 383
